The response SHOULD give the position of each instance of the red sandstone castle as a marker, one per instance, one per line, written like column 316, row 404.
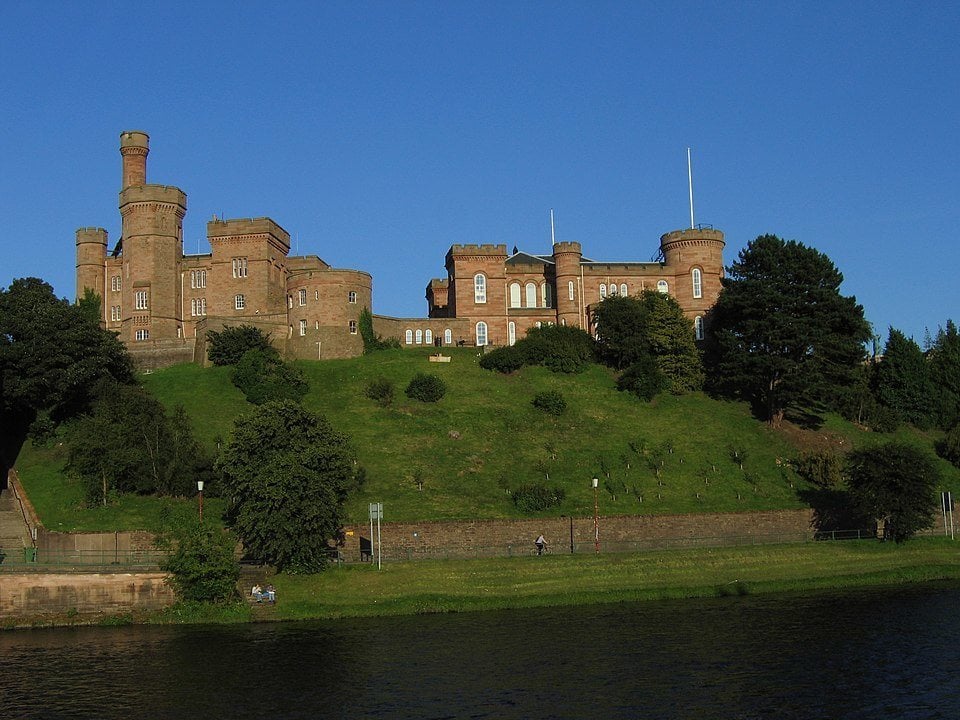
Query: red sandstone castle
column 160, row 301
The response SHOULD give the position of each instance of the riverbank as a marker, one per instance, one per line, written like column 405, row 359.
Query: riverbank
column 556, row 579
column 561, row 579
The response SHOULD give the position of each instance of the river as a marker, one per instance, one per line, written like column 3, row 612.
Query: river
column 879, row 653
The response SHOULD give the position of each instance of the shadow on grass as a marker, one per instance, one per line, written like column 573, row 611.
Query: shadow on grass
column 833, row 510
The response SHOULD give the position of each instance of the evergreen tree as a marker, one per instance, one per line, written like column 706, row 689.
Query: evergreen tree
column 782, row 335
column 944, row 357
column 902, row 381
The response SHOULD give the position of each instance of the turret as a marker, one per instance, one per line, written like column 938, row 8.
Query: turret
column 695, row 259
column 134, row 147
column 566, row 258
column 91, row 255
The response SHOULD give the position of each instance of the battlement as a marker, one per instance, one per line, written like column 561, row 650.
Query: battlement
column 567, row 247
column 134, row 139
column 90, row 231
column 154, row 193
column 691, row 235
column 219, row 227
column 478, row 250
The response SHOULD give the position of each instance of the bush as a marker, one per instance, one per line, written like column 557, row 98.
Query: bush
column 371, row 341
column 535, row 497
column 550, row 401
column 203, row 568
column 506, row 359
column 263, row 377
column 380, row 390
column 228, row 346
column 426, row 388
column 643, row 379
column 949, row 446
column 557, row 347
column 821, row 468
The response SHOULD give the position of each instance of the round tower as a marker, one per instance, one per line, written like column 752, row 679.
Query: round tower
column 91, row 258
column 134, row 147
column 566, row 258
column 694, row 259
column 152, row 247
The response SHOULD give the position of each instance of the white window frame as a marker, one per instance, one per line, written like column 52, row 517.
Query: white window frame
column 603, row 291
column 239, row 302
column 448, row 337
column 570, row 291
column 142, row 335
column 663, row 286
column 515, row 295
column 480, row 288
column 698, row 327
column 116, row 283
column 418, row 337
column 141, row 300
column 696, row 278
column 115, row 313
column 408, row 337
column 530, row 295
column 303, row 328
column 623, row 289
column 352, row 297
column 481, row 334
column 353, row 327
column 545, row 294
column 428, row 337
column 302, row 297
column 239, row 267
column 511, row 332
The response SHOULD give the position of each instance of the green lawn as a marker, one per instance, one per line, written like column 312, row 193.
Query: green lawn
column 485, row 437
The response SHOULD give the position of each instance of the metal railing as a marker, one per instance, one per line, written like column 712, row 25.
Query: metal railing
column 37, row 560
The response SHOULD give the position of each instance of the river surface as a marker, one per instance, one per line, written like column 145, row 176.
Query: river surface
column 880, row 653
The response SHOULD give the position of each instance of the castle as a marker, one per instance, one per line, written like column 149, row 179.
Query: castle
column 161, row 301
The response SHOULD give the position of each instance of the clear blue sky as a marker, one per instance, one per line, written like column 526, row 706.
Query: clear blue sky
column 379, row 133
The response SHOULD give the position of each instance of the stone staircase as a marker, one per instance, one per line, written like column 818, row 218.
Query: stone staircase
column 14, row 533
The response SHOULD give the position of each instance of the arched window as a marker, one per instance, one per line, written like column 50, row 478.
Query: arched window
column 419, row 336
column 511, row 332
column 662, row 286
column 545, row 295
column 603, row 291
column 613, row 289
column 428, row 336
column 698, row 327
column 570, row 290
column 408, row 337
column 481, row 334
column 696, row 276
column 514, row 295
column 531, row 292
column 479, row 288
column 447, row 337
column 623, row 289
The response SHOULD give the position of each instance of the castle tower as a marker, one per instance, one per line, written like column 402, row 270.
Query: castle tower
column 695, row 259
column 152, row 246
column 566, row 258
column 91, row 258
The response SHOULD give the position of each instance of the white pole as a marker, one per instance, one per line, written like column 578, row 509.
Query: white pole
column 379, row 543
column 690, row 183
column 553, row 237
column 950, row 510
column 371, row 538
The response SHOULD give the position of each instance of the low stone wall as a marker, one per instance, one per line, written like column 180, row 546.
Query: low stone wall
column 505, row 537
column 36, row 594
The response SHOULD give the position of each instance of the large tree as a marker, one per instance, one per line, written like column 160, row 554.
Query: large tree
column 894, row 483
column 52, row 354
column 631, row 329
column 944, row 354
column 782, row 335
column 903, row 381
column 287, row 473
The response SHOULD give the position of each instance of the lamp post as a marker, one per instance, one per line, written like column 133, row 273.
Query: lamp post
column 596, row 517
column 200, row 490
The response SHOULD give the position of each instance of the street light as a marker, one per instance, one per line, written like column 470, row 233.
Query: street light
column 200, row 490
column 596, row 517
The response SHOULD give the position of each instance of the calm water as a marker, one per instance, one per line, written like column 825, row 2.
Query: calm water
column 876, row 654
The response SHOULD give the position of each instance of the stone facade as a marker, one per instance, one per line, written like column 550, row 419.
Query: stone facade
column 490, row 297
column 160, row 301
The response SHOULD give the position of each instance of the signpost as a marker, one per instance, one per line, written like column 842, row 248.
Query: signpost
column 376, row 513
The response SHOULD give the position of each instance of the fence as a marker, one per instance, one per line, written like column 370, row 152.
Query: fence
column 36, row 560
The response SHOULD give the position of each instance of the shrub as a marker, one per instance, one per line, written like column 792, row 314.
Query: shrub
column 643, row 379
column 380, row 390
column 228, row 346
column 263, row 377
column 506, row 359
column 426, row 388
column 557, row 347
column 948, row 447
column 203, row 568
column 371, row 341
column 550, row 401
column 821, row 468
column 536, row 496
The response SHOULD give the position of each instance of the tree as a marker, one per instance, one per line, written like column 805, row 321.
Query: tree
column 894, row 483
column 652, row 324
column 128, row 444
column 782, row 335
column 203, row 567
column 903, row 381
column 52, row 355
column 264, row 376
column 944, row 355
column 287, row 473
column 228, row 346
column 371, row 341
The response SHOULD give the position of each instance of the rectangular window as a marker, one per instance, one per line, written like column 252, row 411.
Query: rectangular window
column 352, row 297
column 240, row 267
column 115, row 313
column 203, row 306
column 115, row 285
column 239, row 302
column 140, row 300
column 353, row 327
column 143, row 335
column 316, row 294
column 198, row 279
column 303, row 297
column 303, row 328
column 570, row 289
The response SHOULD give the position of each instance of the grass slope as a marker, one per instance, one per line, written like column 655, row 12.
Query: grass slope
column 485, row 438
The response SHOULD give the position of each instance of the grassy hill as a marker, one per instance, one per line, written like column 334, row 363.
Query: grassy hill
column 485, row 438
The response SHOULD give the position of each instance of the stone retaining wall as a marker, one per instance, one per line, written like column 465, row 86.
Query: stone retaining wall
column 37, row 594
